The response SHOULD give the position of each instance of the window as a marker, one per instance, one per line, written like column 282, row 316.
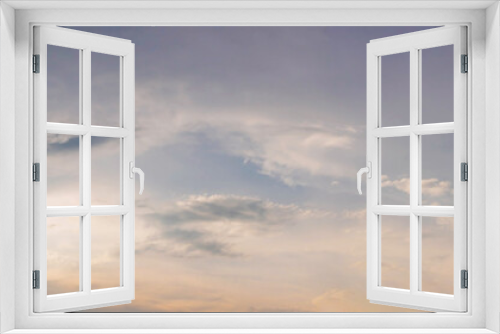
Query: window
column 474, row 317
column 74, row 226
column 416, row 138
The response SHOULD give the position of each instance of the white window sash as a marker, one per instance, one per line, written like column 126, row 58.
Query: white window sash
column 86, row 43
column 413, row 43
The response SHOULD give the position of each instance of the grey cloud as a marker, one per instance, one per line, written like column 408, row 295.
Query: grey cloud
column 213, row 82
column 211, row 225
column 190, row 243
column 223, row 208
column 289, row 105
column 57, row 144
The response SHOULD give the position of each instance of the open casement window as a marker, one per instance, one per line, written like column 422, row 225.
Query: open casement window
column 404, row 126
column 82, row 134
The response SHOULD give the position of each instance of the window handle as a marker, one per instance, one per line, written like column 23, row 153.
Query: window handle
column 368, row 171
column 134, row 170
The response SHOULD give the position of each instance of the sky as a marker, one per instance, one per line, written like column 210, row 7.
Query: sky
column 250, row 139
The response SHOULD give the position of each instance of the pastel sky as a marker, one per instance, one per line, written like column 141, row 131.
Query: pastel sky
column 250, row 138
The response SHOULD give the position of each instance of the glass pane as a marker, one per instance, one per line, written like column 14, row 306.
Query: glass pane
column 106, row 171
column 105, row 251
column 63, row 85
column 105, row 89
column 395, row 171
column 437, row 84
column 395, row 89
column 63, row 170
column 437, row 254
column 63, row 255
column 437, row 169
column 395, row 245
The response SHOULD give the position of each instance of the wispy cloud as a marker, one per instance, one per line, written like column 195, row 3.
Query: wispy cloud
column 293, row 149
column 259, row 210
column 213, row 224
column 432, row 187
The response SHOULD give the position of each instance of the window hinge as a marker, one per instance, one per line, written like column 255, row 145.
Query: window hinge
column 36, row 63
column 36, row 279
column 465, row 64
column 464, row 172
column 36, row 172
column 465, row 279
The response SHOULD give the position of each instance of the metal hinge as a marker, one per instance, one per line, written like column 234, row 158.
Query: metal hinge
column 464, row 172
column 36, row 279
column 36, row 63
column 465, row 279
column 36, row 172
column 465, row 64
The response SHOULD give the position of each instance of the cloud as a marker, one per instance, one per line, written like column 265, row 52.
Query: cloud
column 231, row 209
column 283, row 144
column 436, row 188
column 355, row 215
column 349, row 300
column 186, row 243
column 335, row 299
column 59, row 139
column 300, row 125
column 402, row 184
column 292, row 153
column 432, row 187
column 211, row 225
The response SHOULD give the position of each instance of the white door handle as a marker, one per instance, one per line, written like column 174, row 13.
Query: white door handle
column 134, row 170
column 368, row 171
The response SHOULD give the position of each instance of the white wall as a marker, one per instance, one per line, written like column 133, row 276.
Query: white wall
column 493, row 166
column 7, row 159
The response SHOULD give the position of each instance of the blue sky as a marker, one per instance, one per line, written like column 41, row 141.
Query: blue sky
column 251, row 138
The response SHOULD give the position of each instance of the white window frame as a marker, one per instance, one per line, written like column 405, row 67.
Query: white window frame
column 483, row 22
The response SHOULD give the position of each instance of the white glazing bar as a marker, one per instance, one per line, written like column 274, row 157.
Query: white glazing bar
column 109, row 210
column 85, row 165
column 122, row 181
column 419, row 130
column 406, row 210
column 80, row 130
column 422, row 129
column 433, row 211
column 414, row 170
column 433, row 129
column 392, row 210
column 392, row 131
column 75, row 211
column 104, row 131
column 67, row 211
column 67, row 129
column 375, row 146
column 80, row 164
